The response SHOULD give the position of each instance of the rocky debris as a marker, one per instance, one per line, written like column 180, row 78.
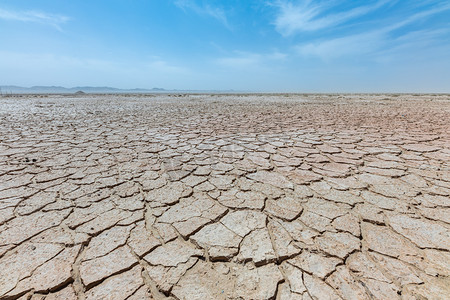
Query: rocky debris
column 225, row 197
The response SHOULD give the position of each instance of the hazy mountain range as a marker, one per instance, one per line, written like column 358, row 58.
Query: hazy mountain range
column 12, row 89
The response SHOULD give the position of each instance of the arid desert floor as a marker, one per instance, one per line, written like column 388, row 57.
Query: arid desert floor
column 225, row 197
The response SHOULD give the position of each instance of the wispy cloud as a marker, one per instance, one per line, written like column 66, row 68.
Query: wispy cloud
column 160, row 65
column 217, row 13
column 308, row 15
column 363, row 43
column 427, row 42
column 249, row 59
column 26, row 68
column 369, row 42
column 34, row 16
column 420, row 16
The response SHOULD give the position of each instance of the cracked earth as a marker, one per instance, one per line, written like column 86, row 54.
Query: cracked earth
column 225, row 197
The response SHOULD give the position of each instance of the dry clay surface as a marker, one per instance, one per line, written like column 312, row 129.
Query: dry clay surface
column 225, row 197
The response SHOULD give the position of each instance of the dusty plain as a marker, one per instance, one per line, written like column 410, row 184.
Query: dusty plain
column 225, row 197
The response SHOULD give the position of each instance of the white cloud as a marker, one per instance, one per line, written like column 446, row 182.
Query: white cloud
column 34, row 16
column 310, row 16
column 371, row 42
column 204, row 9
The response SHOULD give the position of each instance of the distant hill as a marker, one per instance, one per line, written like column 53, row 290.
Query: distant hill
column 13, row 89
column 8, row 89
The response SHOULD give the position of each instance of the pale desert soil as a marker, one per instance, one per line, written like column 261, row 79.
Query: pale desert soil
column 225, row 197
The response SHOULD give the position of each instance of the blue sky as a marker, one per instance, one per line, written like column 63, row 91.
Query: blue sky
column 279, row 45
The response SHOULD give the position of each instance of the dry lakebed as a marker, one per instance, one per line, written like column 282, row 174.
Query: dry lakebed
column 240, row 196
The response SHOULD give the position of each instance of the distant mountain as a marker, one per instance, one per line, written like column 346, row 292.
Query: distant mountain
column 12, row 89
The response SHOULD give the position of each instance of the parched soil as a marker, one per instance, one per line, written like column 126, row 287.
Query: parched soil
column 225, row 197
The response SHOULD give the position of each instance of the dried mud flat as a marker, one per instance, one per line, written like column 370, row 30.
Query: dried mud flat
column 225, row 197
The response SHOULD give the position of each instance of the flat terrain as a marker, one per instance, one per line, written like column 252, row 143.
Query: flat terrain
column 225, row 197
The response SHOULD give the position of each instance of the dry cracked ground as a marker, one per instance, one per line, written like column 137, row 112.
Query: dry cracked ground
column 225, row 197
